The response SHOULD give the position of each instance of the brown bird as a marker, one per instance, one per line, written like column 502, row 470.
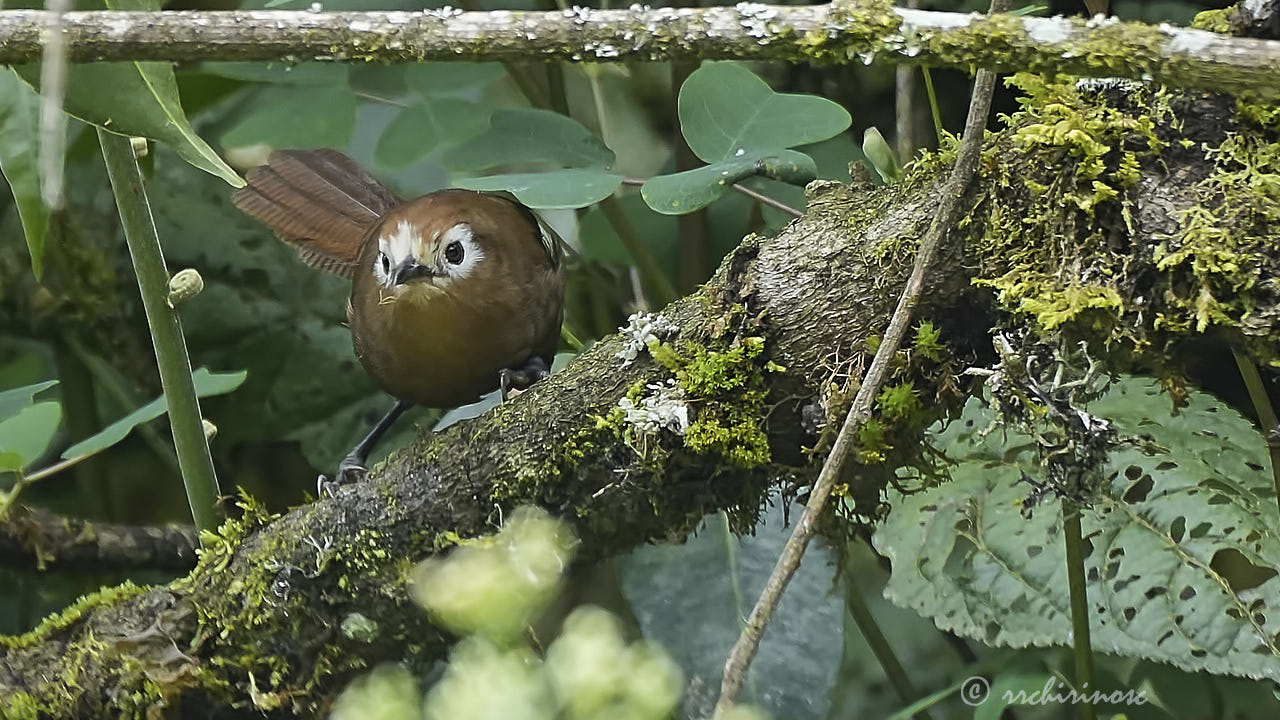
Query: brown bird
column 454, row 294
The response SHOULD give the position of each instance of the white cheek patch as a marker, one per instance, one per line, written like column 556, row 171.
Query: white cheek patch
column 472, row 253
column 396, row 247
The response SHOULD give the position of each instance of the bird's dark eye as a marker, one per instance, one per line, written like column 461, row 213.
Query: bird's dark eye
column 453, row 252
column 385, row 261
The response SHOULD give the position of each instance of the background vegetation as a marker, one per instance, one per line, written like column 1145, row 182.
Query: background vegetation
column 289, row 399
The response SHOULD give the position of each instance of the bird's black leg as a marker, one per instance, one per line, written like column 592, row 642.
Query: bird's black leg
column 533, row 370
column 352, row 468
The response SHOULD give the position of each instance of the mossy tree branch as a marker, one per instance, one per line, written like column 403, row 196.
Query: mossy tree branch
column 842, row 32
column 761, row 355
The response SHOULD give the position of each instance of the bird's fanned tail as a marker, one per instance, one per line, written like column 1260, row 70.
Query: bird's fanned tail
column 319, row 201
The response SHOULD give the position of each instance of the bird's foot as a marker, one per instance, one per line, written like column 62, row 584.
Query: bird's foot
column 515, row 381
column 350, row 470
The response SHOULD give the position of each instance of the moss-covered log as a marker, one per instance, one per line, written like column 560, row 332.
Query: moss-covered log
column 1136, row 225
column 839, row 32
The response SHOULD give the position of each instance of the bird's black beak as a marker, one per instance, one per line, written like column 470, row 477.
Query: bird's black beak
column 409, row 270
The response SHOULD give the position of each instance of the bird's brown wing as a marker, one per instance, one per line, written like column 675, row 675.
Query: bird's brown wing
column 319, row 201
column 552, row 243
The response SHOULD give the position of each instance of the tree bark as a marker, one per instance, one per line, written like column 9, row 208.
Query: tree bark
column 257, row 627
column 842, row 32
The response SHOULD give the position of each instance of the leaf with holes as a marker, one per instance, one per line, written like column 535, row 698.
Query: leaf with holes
column 523, row 137
column 554, row 190
column 691, row 190
column 725, row 109
column 1181, row 563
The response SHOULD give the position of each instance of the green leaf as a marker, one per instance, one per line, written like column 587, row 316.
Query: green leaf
column 725, row 110
column 418, row 130
column 795, row 671
column 135, row 98
column 20, row 160
column 18, row 399
column 600, row 242
column 280, row 73
column 431, row 79
column 1181, row 562
column 27, row 435
column 207, row 383
column 552, row 190
column 881, row 156
column 305, row 116
column 692, row 190
column 517, row 137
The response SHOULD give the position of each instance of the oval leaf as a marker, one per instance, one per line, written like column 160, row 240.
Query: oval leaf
column 692, row 190
column 431, row 79
column 724, row 108
column 25, row 437
column 304, row 117
column 418, row 130
column 207, row 383
column 517, row 137
column 555, row 190
column 19, row 160
column 14, row 401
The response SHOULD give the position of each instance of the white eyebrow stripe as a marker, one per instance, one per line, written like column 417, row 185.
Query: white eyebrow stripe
column 472, row 253
column 397, row 246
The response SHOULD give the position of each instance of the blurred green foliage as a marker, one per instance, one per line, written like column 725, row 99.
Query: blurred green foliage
column 305, row 400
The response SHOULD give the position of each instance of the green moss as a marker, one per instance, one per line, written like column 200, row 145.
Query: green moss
column 72, row 614
column 725, row 390
column 1057, row 206
column 1218, row 21
column 1082, row 159
column 22, row 706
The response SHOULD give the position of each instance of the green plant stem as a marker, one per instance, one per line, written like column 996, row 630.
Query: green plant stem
column 693, row 229
column 879, row 644
column 659, row 287
column 1082, row 646
column 8, row 498
column 933, row 103
column 166, row 333
column 1266, row 413
column 557, row 99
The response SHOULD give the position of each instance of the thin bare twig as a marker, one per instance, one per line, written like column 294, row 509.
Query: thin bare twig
column 766, row 200
column 735, row 669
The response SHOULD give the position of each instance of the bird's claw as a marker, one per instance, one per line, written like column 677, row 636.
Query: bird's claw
column 350, row 470
column 513, row 382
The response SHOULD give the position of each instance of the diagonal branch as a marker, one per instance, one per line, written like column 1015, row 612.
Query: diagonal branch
column 852, row 31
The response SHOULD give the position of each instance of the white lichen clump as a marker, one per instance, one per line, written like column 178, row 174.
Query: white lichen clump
column 664, row 409
column 641, row 330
